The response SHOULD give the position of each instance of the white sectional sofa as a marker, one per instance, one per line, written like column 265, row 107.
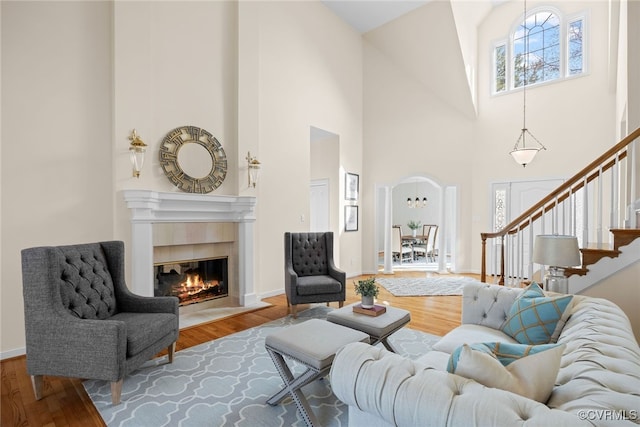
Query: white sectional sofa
column 598, row 382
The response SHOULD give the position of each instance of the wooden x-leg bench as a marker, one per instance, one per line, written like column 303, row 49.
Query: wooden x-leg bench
column 313, row 344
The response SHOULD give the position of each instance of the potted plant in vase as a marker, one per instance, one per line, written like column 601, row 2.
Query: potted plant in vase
column 368, row 290
column 414, row 225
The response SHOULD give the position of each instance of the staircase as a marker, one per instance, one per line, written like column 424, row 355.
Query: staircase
column 602, row 196
column 592, row 254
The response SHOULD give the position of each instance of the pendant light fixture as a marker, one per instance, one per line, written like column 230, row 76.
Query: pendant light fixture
column 522, row 153
column 417, row 203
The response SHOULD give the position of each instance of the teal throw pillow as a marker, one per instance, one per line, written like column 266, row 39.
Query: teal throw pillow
column 455, row 356
column 534, row 317
column 505, row 353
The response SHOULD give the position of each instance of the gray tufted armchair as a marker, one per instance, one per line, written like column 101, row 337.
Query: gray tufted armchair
column 309, row 271
column 82, row 321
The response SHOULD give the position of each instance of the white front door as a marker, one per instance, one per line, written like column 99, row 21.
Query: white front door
column 510, row 199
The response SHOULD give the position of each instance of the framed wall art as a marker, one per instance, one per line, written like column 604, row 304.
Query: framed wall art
column 351, row 186
column 350, row 218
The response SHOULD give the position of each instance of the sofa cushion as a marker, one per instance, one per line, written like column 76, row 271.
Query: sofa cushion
column 315, row 285
column 532, row 376
column 434, row 359
column 469, row 334
column 535, row 318
column 145, row 329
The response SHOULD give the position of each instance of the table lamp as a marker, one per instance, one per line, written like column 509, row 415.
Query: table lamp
column 558, row 252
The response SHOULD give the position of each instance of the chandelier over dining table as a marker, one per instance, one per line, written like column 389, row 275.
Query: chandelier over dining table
column 417, row 202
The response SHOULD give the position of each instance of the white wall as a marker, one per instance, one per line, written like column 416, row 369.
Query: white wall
column 57, row 164
column 622, row 289
column 574, row 119
column 310, row 74
column 175, row 65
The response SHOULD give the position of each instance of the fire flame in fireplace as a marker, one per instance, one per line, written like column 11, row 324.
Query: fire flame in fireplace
column 193, row 281
column 194, row 285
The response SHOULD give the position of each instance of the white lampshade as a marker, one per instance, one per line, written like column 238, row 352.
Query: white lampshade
column 556, row 250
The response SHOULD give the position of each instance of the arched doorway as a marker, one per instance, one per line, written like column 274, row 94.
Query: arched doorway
column 393, row 208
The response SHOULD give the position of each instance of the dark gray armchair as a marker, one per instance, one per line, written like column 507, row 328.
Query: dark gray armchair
column 82, row 321
column 310, row 274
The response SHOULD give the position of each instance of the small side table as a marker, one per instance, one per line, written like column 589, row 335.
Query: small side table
column 379, row 328
column 314, row 344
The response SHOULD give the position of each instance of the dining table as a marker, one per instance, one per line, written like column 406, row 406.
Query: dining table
column 417, row 241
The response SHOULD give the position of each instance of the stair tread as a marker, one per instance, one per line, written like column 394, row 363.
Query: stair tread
column 581, row 271
column 602, row 247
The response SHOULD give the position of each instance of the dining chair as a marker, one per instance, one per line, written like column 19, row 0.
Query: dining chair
column 420, row 249
column 400, row 249
column 432, row 251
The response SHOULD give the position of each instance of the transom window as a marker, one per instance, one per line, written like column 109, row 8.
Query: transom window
column 540, row 49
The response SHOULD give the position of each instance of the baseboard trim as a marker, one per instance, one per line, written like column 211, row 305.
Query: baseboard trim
column 13, row 353
column 271, row 294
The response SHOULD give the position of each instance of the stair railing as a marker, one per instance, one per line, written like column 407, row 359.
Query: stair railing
column 600, row 197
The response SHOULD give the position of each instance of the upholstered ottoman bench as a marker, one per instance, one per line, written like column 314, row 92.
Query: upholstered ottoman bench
column 379, row 328
column 314, row 344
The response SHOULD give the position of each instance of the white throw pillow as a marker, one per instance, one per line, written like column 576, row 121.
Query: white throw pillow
column 532, row 376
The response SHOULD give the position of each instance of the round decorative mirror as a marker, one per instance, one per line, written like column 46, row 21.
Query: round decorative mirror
column 193, row 159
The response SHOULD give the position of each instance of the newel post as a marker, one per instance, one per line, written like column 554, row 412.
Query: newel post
column 483, row 266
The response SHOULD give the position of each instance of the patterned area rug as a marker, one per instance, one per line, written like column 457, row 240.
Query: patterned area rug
column 226, row 382
column 425, row 286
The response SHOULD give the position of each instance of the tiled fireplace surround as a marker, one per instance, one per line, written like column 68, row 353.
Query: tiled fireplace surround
column 182, row 226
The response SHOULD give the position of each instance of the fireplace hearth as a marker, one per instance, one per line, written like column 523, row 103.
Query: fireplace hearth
column 192, row 281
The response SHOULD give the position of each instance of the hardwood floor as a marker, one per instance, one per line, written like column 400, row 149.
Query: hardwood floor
column 65, row 403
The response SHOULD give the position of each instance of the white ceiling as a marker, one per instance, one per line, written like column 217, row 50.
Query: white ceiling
column 366, row 15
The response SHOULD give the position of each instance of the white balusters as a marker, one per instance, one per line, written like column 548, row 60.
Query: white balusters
column 633, row 195
column 599, row 209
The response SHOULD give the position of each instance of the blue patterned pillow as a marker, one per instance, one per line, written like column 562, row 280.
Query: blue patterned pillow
column 533, row 317
column 505, row 353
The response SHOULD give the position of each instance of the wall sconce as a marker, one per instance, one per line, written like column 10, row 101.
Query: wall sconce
column 136, row 150
column 253, row 166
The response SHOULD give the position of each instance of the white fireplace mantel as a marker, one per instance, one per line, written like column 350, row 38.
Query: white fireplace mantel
column 148, row 207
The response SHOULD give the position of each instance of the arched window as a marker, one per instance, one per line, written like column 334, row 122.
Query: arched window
column 542, row 48
column 536, row 49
